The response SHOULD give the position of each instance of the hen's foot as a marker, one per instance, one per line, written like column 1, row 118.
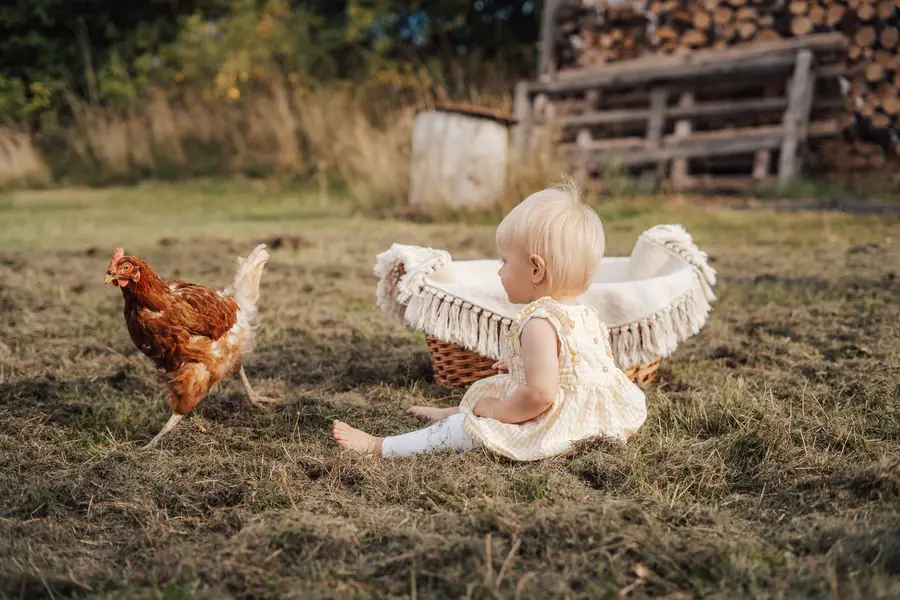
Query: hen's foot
column 169, row 426
column 260, row 401
column 256, row 399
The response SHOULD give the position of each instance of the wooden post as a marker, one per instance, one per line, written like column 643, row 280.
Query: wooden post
column 680, row 174
column 658, row 99
column 762, row 158
column 761, row 164
column 656, row 124
column 521, row 135
column 591, row 100
column 796, row 117
column 583, row 140
column 547, row 54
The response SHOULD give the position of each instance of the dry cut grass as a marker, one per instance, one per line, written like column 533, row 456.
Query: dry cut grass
column 768, row 466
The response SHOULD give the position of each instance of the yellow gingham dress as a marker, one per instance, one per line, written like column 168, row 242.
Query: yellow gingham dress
column 594, row 398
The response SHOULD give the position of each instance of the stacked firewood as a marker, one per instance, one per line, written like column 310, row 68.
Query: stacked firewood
column 835, row 155
column 596, row 34
column 591, row 33
column 874, row 97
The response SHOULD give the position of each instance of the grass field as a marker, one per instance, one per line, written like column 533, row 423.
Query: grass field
column 768, row 466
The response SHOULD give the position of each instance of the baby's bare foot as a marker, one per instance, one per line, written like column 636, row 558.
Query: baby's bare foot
column 428, row 413
column 356, row 440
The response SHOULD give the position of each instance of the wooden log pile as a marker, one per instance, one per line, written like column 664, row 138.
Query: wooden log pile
column 590, row 33
column 594, row 37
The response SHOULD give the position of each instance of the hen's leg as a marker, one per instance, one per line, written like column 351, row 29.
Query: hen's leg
column 188, row 385
column 169, row 426
column 254, row 398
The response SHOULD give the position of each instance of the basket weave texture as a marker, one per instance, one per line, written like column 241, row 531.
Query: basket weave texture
column 455, row 366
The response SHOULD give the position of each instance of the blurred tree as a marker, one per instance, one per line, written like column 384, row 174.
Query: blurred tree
column 110, row 51
column 67, row 41
column 480, row 36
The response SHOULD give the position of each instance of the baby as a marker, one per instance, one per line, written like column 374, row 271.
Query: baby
column 560, row 383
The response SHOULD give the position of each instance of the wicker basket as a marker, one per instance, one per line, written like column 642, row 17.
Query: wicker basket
column 457, row 367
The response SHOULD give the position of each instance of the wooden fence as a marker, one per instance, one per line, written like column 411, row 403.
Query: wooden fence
column 756, row 105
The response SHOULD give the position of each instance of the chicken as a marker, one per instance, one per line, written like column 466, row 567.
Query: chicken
column 195, row 335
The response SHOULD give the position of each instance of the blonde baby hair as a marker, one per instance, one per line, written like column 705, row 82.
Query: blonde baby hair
column 555, row 225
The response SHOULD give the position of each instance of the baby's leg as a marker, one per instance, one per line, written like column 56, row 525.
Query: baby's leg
column 428, row 413
column 446, row 435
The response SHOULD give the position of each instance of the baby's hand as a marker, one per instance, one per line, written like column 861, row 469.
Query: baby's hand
column 501, row 366
column 485, row 407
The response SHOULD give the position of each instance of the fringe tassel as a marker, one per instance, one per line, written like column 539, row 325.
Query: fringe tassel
column 401, row 272
column 469, row 317
column 659, row 334
column 484, row 326
column 453, row 326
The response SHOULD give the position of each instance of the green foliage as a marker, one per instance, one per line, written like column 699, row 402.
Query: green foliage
column 19, row 102
column 113, row 53
column 252, row 45
column 482, row 35
column 72, row 44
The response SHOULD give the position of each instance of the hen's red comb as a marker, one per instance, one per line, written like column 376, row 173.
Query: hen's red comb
column 117, row 256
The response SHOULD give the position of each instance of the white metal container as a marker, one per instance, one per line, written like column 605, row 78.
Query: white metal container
column 458, row 160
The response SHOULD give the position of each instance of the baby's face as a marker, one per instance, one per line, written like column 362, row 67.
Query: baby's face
column 515, row 275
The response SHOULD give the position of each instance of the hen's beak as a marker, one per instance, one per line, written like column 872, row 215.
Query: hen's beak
column 108, row 279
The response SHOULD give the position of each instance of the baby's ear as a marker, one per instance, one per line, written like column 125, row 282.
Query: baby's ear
column 538, row 268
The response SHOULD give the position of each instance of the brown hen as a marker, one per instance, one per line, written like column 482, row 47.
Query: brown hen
column 195, row 335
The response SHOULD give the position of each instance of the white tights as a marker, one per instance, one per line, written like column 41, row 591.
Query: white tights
column 447, row 434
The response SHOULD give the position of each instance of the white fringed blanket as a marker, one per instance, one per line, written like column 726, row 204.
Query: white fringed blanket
column 650, row 301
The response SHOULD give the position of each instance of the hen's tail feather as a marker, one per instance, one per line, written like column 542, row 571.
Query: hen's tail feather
column 245, row 289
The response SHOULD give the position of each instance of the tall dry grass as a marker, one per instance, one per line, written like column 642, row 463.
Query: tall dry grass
column 21, row 162
column 359, row 139
column 275, row 132
column 158, row 136
column 345, row 143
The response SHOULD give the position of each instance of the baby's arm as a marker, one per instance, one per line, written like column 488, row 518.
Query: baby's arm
column 540, row 356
